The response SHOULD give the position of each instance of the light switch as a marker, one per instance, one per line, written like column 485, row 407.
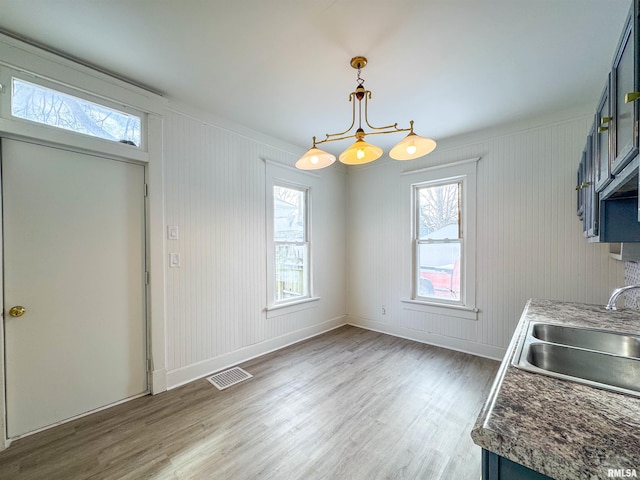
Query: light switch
column 174, row 260
column 173, row 233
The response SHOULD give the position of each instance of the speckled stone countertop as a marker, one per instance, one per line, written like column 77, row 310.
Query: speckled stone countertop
column 560, row 428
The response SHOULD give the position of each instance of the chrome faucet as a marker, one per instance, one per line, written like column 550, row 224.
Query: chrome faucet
column 616, row 293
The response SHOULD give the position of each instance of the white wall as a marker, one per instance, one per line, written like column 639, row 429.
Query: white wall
column 529, row 238
column 215, row 193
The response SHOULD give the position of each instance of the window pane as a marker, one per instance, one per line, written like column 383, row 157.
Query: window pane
column 50, row 107
column 289, row 214
column 439, row 212
column 439, row 270
column 291, row 271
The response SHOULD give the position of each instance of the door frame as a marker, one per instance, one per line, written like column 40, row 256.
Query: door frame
column 15, row 54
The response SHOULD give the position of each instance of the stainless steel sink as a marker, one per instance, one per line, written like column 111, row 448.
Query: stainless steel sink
column 599, row 340
column 598, row 358
column 600, row 368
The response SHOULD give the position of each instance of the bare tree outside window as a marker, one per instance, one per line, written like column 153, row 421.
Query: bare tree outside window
column 50, row 107
column 439, row 207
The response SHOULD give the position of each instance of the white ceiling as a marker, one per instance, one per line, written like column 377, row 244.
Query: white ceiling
column 281, row 67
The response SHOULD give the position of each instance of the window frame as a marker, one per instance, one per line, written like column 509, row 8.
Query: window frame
column 466, row 172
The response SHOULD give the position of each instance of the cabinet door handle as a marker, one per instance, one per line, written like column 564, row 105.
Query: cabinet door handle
column 631, row 97
column 602, row 129
column 605, row 120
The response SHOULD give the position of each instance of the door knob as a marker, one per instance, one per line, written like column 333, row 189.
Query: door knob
column 17, row 311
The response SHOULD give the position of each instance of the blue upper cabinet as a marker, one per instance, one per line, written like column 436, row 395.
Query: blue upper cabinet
column 580, row 188
column 604, row 122
column 625, row 95
column 590, row 196
column 608, row 173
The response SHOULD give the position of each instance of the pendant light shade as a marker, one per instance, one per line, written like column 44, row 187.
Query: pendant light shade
column 412, row 146
column 359, row 153
column 315, row 159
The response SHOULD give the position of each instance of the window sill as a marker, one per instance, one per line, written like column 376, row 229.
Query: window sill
column 291, row 307
column 458, row 311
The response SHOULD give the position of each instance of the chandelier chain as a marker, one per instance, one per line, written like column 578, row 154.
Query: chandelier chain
column 360, row 80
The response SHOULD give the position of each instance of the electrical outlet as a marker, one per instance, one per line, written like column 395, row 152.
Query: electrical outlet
column 384, row 310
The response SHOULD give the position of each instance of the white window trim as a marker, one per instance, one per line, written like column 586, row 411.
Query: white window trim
column 284, row 175
column 11, row 125
column 466, row 172
column 294, row 306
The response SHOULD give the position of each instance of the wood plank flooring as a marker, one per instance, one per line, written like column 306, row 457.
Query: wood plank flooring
column 350, row 404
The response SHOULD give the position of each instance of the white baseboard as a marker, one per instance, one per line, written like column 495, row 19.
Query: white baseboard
column 180, row 376
column 465, row 346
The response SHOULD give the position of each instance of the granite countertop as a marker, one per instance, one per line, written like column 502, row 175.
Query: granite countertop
column 561, row 428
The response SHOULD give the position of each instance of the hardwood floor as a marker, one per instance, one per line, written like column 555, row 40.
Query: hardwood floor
column 350, row 404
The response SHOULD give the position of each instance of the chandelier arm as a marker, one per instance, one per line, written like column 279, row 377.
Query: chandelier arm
column 328, row 136
column 366, row 116
column 327, row 140
column 396, row 130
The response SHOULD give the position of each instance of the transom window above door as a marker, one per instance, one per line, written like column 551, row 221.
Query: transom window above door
column 47, row 106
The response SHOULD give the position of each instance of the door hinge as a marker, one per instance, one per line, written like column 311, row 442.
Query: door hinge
column 146, row 278
column 146, row 190
column 149, row 365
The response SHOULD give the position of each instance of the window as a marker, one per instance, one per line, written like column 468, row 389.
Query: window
column 441, row 254
column 291, row 243
column 439, row 242
column 56, row 109
column 289, row 216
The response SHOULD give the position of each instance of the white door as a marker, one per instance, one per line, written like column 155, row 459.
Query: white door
column 74, row 235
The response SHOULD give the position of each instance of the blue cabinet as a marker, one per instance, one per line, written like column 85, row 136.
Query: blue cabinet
column 619, row 206
column 624, row 93
column 604, row 123
column 495, row 467
column 590, row 213
column 607, row 188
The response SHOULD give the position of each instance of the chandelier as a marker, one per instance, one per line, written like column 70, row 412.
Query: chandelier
column 410, row 147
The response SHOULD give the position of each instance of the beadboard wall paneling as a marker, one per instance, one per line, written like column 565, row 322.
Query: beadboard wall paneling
column 529, row 240
column 215, row 195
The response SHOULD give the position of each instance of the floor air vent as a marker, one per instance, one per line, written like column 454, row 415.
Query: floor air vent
column 228, row 378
